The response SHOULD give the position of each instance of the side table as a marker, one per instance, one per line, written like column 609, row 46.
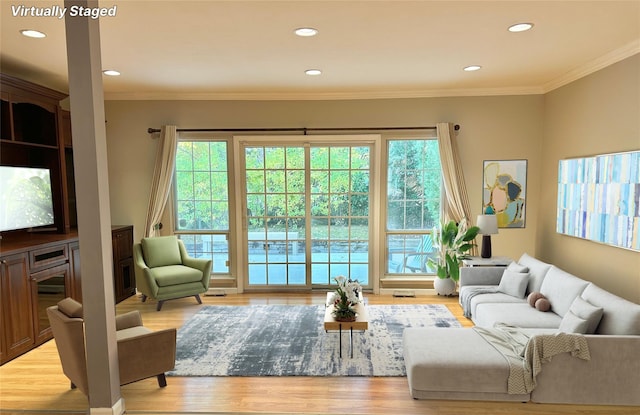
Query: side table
column 494, row 261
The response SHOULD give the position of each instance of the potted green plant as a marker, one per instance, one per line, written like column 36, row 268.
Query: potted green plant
column 453, row 242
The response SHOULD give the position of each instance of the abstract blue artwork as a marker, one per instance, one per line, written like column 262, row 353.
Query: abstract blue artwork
column 599, row 199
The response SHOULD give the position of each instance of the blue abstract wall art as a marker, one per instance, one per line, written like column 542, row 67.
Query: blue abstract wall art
column 599, row 199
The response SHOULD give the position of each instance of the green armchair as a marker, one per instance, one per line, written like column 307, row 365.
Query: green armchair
column 164, row 270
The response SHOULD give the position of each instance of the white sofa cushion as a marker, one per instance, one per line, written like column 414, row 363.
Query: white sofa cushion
column 561, row 288
column 514, row 314
column 619, row 316
column 514, row 283
column 537, row 271
column 454, row 363
column 496, row 297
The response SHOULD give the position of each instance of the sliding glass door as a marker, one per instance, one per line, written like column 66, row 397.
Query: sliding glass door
column 307, row 214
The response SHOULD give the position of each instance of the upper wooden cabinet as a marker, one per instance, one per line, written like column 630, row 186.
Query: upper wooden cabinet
column 36, row 132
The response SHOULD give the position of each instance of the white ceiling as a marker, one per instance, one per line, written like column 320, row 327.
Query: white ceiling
column 366, row 49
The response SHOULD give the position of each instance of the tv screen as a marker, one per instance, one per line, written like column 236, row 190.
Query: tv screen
column 25, row 198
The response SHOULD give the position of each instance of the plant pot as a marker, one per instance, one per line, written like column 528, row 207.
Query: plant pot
column 346, row 319
column 444, row 286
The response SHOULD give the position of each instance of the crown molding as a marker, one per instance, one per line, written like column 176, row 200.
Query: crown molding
column 595, row 65
column 318, row 96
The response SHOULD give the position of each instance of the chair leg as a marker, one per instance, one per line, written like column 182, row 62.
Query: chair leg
column 198, row 298
column 162, row 380
column 73, row 386
column 159, row 305
column 144, row 298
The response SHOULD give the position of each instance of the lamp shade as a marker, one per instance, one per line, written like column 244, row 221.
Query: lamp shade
column 488, row 224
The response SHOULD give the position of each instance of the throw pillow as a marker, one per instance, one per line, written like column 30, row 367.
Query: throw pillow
column 513, row 283
column 587, row 311
column 70, row 308
column 573, row 324
column 533, row 297
column 515, row 267
column 542, row 304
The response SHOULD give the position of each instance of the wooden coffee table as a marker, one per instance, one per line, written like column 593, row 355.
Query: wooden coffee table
column 361, row 323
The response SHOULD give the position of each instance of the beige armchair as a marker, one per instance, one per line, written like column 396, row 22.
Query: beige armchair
column 165, row 271
column 142, row 353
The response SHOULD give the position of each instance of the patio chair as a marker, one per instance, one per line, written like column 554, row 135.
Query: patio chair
column 417, row 261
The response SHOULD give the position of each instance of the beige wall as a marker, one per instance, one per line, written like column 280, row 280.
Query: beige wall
column 597, row 114
column 594, row 115
column 492, row 128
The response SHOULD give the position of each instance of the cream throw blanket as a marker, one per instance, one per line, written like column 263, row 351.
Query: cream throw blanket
column 526, row 355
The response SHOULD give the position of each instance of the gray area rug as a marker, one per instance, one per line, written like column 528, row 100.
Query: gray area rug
column 289, row 340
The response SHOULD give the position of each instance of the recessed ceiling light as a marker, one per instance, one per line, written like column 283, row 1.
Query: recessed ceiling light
column 111, row 72
column 313, row 72
column 33, row 33
column 520, row 27
column 472, row 68
column 306, row 31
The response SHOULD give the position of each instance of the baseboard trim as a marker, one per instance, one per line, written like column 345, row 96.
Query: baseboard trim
column 416, row 292
column 117, row 409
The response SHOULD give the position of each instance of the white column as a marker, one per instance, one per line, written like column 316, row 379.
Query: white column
column 94, row 216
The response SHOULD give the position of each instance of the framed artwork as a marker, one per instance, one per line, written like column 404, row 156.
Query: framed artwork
column 504, row 191
column 599, row 199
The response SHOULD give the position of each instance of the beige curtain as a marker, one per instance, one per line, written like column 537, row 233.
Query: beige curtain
column 456, row 201
column 162, row 177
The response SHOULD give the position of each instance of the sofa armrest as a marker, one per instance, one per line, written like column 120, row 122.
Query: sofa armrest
column 610, row 377
column 147, row 355
column 481, row 275
column 203, row 265
column 128, row 320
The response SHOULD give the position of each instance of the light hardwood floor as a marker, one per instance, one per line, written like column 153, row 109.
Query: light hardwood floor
column 34, row 383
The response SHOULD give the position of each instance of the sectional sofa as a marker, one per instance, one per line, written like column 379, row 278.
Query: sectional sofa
column 581, row 344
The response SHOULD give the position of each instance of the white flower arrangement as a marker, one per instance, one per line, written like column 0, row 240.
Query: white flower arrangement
column 346, row 296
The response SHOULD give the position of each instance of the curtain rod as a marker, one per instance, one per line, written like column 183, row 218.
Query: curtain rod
column 303, row 129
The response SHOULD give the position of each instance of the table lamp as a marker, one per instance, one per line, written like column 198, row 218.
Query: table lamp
column 488, row 225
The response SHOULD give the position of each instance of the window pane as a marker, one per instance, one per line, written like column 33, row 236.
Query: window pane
column 214, row 247
column 219, row 186
column 360, row 158
column 319, row 181
column 413, row 184
column 275, row 181
column 274, row 158
column 295, row 181
column 319, row 158
column 255, row 181
column 360, row 181
column 339, row 182
column 295, row 205
column 339, row 157
column 254, row 158
column 295, row 158
column 202, row 193
column 184, row 156
column 184, row 185
column 201, row 156
column 413, row 204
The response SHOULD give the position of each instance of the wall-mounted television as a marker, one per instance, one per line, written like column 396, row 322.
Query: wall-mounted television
column 25, row 198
